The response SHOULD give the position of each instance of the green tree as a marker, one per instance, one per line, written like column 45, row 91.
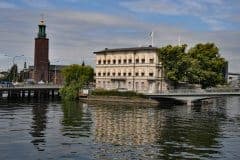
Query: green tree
column 75, row 78
column 175, row 62
column 13, row 73
column 202, row 64
column 207, row 66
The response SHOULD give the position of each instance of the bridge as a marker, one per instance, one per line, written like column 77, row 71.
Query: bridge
column 36, row 91
column 191, row 96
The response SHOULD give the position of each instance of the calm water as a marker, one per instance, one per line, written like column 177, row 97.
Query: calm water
column 113, row 131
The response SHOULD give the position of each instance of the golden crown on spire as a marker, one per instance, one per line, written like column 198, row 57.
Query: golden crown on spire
column 42, row 22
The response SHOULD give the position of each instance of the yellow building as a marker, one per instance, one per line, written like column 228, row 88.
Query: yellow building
column 133, row 69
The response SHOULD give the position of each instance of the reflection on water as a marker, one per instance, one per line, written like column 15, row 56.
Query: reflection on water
column 74, row 130
column 177, row 132
column 76, row 120
column 38, row 127
column 127, row 125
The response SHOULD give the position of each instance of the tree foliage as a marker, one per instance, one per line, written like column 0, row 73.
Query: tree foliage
column 207, row 64
column 75, row 78
column 175, row 62
column 13, row 73
column 202, row 64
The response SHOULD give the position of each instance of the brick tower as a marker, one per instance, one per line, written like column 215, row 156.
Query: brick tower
column 41, row 62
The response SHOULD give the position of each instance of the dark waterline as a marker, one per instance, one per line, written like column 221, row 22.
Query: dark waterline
column 55, row 130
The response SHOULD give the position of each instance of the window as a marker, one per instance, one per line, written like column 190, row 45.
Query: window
column 136, row 85
column 129, row 84
column 136, row 73
column 119, row 73
column 104, row 61
column 129, row 73
column 104, row 74
column 99, row 73
column 124, row 61
column 129, row 61
column 151, row 74
column 124, row 74
column 143, row 60
column 114, row 61
column 108, row 73
column 151, row 60
column 119, row 61
column 99, row 61
column 142, row 85
column 109, row 61
column 113, row 73
column 137, row 60
column 142, row 74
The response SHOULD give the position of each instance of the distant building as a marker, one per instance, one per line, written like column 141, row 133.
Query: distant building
column 234, row 79
column 54, row 74
column 225, row 71
column 133, row 69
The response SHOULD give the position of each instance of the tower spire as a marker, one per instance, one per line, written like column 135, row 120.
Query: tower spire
column 42, row 28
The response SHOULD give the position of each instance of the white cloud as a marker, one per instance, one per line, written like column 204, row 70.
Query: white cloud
column 214, row 12
column 75, row 35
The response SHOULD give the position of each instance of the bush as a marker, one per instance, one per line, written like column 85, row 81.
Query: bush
column 70, row 92
column 101, row 92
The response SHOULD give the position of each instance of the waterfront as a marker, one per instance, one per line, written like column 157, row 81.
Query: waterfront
column 55, row 130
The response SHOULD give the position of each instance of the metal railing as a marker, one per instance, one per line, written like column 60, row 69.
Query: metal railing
column 34, row 86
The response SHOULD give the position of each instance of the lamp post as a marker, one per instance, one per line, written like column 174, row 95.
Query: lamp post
column 55, row 72
column 13, row 58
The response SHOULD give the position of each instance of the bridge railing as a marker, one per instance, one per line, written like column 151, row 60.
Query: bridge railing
column 201, row 90
column 222, row 89
column 184, row 91
column 34, row 86
column 40, row 86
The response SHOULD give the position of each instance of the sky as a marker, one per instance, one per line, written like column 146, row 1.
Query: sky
column 77, row 28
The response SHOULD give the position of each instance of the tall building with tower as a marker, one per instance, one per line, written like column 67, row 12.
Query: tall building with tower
column 41, row 60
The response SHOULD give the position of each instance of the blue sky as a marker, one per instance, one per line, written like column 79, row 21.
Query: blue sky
column 76, row 28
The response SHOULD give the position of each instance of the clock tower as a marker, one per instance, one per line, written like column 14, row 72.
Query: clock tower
column 41, row 60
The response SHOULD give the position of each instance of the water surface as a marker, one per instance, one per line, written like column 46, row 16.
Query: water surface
column 55, row 130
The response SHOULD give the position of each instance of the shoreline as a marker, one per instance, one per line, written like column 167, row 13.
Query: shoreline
column 119, row 99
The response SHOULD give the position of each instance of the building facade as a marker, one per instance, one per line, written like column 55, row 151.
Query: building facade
column 41, row 60
column 132, row 69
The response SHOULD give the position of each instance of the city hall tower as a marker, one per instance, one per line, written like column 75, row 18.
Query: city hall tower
column 41, row 61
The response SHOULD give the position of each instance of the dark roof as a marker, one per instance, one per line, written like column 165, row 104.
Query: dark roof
column 150, row 48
